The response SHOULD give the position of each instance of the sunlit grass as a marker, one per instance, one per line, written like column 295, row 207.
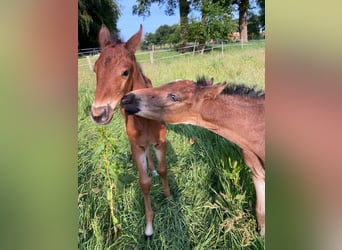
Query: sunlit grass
column 213, row 194
column 240, row 65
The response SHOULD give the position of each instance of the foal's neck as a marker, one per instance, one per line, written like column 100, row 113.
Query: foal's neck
column 137, row 78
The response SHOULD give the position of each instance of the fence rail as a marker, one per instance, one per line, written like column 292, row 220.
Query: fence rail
column 191, row 49
column 89, row 51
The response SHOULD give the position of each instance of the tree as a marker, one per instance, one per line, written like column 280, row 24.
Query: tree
column 91, row 15
column 150, row 38
column 216, row 21
column 254, row 26
column 164, row 35
column 174, row 36
column 184, row 10
column 261, row 4
column 142, row 8
column 243, row 6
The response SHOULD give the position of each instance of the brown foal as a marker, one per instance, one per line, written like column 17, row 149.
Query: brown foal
column 117, row 73
column 235, row 112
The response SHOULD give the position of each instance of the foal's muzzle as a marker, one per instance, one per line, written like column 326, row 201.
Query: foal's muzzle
column 101, row 115
column 130, row 103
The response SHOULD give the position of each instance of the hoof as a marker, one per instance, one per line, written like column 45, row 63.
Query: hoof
column 169, row 198
column 261, row 232
column 148, row 237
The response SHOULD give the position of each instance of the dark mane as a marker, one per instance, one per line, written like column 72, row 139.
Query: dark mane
column 234, row 89
column 203, row 82
column 243, row 90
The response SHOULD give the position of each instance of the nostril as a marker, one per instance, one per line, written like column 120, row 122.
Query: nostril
column 123, row 100
column 130, row 103
column 127, row 99
column 105, row 112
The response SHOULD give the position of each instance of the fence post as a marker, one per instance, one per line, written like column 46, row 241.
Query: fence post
column 222, row 48
column 90, row 64
column 151, row 54
column 193, row 51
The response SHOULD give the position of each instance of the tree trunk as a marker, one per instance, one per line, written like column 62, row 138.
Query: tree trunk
column 243, row 8
column 204, row 20
column 184, row 9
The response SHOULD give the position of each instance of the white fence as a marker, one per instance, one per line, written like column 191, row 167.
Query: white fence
column 92, row 53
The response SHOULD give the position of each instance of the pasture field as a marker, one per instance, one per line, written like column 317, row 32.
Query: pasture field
column 213, row 197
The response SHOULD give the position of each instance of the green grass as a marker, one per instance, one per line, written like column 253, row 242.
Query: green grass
column 213, row 194
column 239, row 65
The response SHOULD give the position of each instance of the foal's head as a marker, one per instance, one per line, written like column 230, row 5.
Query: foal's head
column 172, row 102
column 114, row 73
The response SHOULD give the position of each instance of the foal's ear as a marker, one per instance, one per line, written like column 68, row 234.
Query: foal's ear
column 134, row 41
column 213, row 91
column 104, row 36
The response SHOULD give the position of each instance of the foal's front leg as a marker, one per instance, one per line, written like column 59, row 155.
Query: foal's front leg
column 160, row 150
column 140, row 157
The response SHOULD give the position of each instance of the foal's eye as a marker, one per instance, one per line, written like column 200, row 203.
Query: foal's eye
column 173, row 97
column 125, row 73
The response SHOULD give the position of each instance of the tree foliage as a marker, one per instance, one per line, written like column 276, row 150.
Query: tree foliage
column 91, row 15
column 216, row 18
column 216, row 21
column 254, row 26
column 142, row 8
column 261, row 4
column 165, row 34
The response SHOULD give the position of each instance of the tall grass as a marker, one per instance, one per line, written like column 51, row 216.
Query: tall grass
column 213, row 194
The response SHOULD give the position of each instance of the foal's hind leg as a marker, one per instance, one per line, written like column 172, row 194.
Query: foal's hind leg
column 140, row 157
column 258, row 177
column 160, row 150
